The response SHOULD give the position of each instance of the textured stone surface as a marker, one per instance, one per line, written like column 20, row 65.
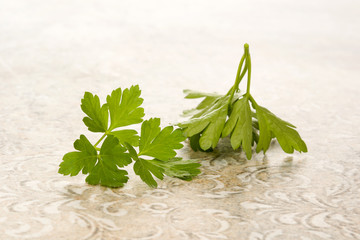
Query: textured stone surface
column 305, row 69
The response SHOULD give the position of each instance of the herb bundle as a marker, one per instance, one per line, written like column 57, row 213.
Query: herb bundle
column 239, row 116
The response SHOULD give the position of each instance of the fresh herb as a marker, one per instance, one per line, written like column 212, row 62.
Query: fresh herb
column 156, row 155
column 239, row 116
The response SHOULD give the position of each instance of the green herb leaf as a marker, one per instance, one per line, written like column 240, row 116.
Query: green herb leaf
column 102, row 168
column 239, row 125
column 97, row 120
column 127, row 135
column 269, row 124
column 84, row 159
column 109, row 177
column 176, row 167
column 161, row 145
column 157, row 143
column 209, row 122
column 106, row 172
column 124, row 107
column 145, row 169
column 113, row 154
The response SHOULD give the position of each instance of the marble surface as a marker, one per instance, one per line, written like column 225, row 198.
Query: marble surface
column 305, row 58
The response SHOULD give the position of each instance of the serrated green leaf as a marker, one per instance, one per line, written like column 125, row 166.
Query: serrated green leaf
column 239, row 125
column 106, row 176
column 84, row 159
column 103, row 168
column 124, row 107
column 209, row 122
column 132, row 151
column 270, row 125
column 97, row 120
column 159, row 144
column 127, row 135
column 145, row 169
column 106, row 172
column 211, row 135
column 265, row 134
column 113, row 154
column 176, row 167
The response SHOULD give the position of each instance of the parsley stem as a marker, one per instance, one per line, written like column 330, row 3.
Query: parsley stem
column 252, row 100
column 248, row 63
column 239, row 77
column 97, row 143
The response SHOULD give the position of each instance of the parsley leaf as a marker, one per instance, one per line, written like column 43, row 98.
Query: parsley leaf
column 97, row 120
column 270, row 125
column 176, row 167
column 145, row 169
column 124, row 107
column 106, row 172
column 239, row 125
column 209, row 122
column 218, row 116
column 84, row 159
column 159, row 144
column 102, row 167
column 127, row 135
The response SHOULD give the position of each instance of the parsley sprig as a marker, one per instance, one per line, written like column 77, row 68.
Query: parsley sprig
column 156, row 155
column 239, row 116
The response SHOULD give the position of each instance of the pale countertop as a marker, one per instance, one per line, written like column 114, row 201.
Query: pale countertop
column 305, row 68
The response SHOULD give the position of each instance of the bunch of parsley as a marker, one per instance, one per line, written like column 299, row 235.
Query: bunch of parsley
column 239, row 116
column 153, row 151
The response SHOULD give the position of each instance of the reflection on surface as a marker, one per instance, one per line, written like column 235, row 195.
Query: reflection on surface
column 232, row 197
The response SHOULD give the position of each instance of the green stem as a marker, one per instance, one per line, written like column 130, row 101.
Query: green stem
column 238, row 78
column 252, row 100
column 248, row 63
column 238, row 73
column 97, row 143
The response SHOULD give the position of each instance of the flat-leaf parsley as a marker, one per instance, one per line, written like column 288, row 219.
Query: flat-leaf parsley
column 156, row 155
column 239, row 116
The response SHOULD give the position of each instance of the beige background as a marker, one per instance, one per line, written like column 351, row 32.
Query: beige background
column 305, row 58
